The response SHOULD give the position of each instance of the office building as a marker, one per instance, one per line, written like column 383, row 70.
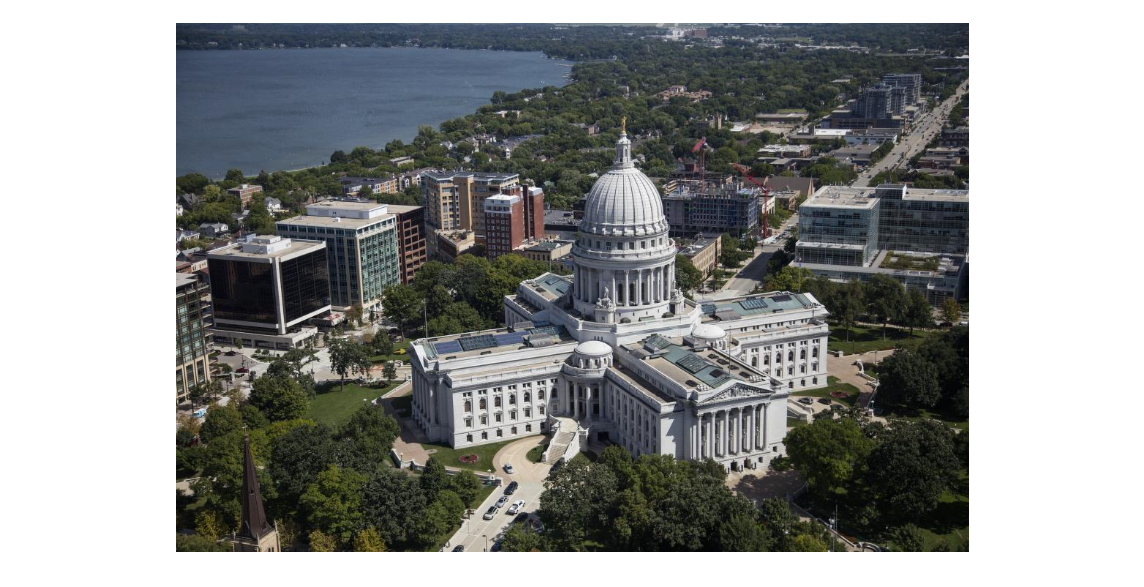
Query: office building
column 245, row 192
column 703, row 252
column 549, row 251
column 412, row 249
column 192, row 319
column 454, row 199
column 504, row 224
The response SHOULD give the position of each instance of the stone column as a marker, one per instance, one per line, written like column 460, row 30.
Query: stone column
column 639, row 288
column 723, row 434
column 709, row 443
column 575, row 400
column 763, row 427
column 751, row 429
column 738, row 431
column 627, row 288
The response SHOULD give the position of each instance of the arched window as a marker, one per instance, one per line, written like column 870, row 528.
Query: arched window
column 802, row 354
column 468, row 405
column 540, row 394
column 484, row 406
column 497, row 401
column 790, row 355
column 527, row 397
column 814, row 352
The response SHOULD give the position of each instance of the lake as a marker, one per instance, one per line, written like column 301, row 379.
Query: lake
column 291, row 108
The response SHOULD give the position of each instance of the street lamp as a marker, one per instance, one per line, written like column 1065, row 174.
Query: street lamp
column 486, row 537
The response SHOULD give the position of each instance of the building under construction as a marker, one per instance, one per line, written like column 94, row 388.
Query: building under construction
column 711, row 203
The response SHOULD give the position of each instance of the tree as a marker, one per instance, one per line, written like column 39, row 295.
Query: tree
column 235, row 175
column 908, row 538
column 466, row 485
column 687, row 277
column 332, row 504
column 918, row 313
column 829, row 452
column 908, row 380
column 369, row 540
column 390, row 371
column 347, row 356
column 885, row 297
column 849, row 304
column 322, row 542
column 739, row 531
column 401, row 304
column 279, row 398
column 912, row 466
column 434, row 479
column 521, row 538
column 220, row 421
column 393, row 503
column 806, row 543
column 789, row 278
column 433, row 524
column 209, row 525
column 299, row 456
column 365, row 192
column 382, row 344
column 354, row 314
column 576, row 501
column 367, row 436
column 196, row 543
column 951, row 311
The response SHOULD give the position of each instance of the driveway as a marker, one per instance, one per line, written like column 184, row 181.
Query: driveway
column 530, row 476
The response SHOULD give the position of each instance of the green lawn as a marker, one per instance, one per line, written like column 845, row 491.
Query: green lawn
column 451, row 457
column 949, row 523
column 833, row 384
column 537, row 453
column 869, row 338
column 404, row 358
column 795, row 422
column 335, row 405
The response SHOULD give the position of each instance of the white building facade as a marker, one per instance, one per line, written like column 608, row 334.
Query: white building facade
column 616, row 353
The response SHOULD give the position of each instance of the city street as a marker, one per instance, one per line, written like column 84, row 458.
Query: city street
column 909, row 145
column 755, row 271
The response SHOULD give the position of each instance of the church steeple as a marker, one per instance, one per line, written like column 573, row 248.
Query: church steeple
column 255, row 534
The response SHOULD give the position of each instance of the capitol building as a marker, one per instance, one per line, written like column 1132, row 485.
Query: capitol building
column 616, row 354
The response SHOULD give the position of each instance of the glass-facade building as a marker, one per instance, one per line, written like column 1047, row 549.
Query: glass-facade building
column 269, row 284
column 839, row 228
column 362, row 251
column 192, row 317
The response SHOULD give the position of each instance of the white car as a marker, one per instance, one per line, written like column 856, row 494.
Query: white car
column 508, row 468
column 490, row 513
column 515, row 507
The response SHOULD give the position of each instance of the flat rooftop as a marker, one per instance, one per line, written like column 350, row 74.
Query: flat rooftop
column 548, row 245
column 294, row 247
column 552, row 286
column 480, row 175
column 329, row 222
column 491, row 342
column 754, row 305
column 837, row 196
column 687, row 366
column 937, row 195
column 399, row 209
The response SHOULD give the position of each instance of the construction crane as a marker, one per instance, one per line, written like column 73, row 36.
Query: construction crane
column 698, row 148
column 743, row 169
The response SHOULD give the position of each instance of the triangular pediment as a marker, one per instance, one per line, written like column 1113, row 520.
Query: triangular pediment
column 738, row 391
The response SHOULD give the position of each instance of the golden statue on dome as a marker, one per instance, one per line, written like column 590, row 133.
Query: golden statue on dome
column 624, row 125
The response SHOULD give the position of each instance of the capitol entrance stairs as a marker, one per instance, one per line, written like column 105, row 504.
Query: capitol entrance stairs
column 565, row 440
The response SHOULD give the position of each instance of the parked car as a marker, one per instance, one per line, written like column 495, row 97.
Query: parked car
column 492, row 512
column 242, row 370
column 459, row 548
column 521, row 517
column 231, row 353
column 805, row 400
column 824, row 400
column 508, row 468
column 500, row 502
column 515, row 507
column 511, row 489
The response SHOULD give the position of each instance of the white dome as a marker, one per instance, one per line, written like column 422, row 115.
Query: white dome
column 593, row 348
column 623, row 200
column 708, row 332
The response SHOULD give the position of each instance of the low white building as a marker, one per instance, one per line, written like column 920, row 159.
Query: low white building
column 615, row 353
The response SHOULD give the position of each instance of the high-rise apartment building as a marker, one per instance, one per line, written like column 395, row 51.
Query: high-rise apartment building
column 706, row 206
column 504, row 224
column 412, row 250
column 454, row 200
column 911, row 82
column 192, row 318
